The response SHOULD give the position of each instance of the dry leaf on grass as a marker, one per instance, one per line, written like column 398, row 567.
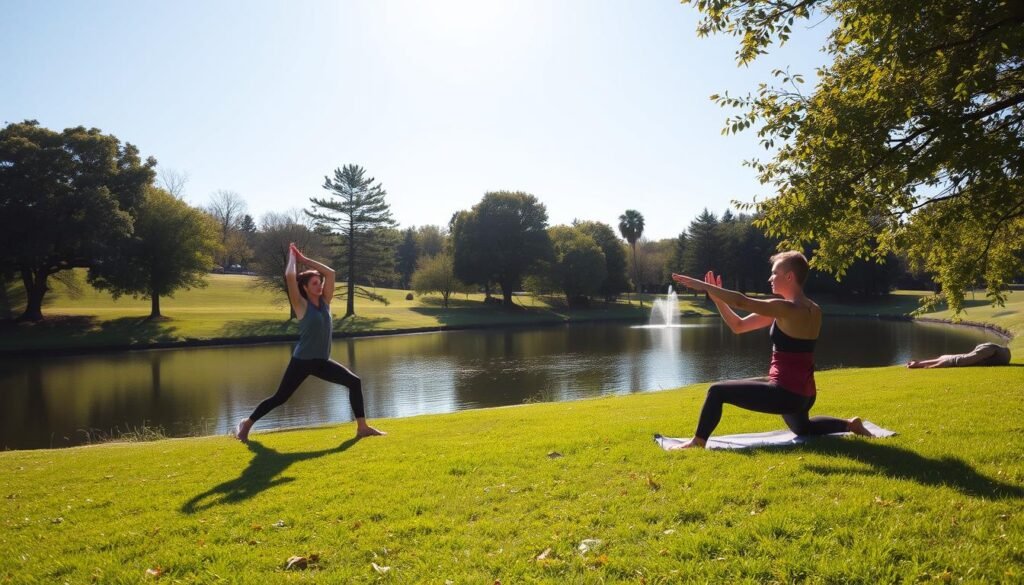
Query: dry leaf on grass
column 297, row 563
column 380, row 569
column 544, row 555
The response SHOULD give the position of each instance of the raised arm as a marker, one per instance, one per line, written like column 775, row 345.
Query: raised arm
column 327, row 271
column 774, row 308
column 298, row 303
column 737, row 324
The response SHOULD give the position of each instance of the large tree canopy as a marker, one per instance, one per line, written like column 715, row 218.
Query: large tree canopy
column 172, row 247
column 500, row 240
column 65, row 199
column 912, row 141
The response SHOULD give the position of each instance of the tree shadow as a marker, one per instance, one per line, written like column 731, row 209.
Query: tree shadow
column 261, row 474
column 899, row 463
column 259, row 328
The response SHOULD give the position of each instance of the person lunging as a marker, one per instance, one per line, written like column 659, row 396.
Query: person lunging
column 794, row 322
column 310, row 294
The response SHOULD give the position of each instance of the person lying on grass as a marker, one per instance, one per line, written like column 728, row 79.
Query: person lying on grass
column 310, row 294
column 794, row 322
column 984, row 354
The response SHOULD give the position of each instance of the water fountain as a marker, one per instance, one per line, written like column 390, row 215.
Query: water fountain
column 665, row 312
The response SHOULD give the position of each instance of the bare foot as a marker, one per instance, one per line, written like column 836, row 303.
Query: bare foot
column 242, row 430
column 856, row 426
column 368, row 431
column 694, row 443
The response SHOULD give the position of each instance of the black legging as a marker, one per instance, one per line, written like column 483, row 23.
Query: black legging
column 762, row 396
column 298, row 370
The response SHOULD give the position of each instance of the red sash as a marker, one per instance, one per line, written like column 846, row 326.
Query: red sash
column 793, row 371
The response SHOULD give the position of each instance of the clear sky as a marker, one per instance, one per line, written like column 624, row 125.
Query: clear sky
column 594, row 106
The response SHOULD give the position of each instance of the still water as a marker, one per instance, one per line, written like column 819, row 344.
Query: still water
column 54, row 402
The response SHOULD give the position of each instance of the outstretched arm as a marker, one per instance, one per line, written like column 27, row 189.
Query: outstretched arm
column 737, row 324
column 298, row 303
column 775, row 308
column 327, row 271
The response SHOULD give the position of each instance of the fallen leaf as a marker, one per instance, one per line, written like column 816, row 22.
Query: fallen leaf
column 380, row 569
column 279, row 524
column 670, row 531
column 296, row 563
column 544, row 554
column 154, row 572
column 554, row 455
column 655, row 486
column 588, row 545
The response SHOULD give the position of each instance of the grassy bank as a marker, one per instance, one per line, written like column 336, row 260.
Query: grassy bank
column 232, row 308
column 510, row 494
column 478, row 496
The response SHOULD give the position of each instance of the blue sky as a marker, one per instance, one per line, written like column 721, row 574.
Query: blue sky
column 592, row 106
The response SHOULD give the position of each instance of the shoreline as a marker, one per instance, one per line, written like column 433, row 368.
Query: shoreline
column 291, row 338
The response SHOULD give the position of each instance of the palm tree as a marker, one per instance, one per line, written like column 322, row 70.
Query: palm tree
column 631, row 226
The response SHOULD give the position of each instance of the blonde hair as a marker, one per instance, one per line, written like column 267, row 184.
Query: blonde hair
column 794, row 262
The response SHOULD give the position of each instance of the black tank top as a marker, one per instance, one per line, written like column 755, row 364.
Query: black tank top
column 783, row 342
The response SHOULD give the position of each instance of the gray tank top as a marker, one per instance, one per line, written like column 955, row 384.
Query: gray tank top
column 314, row 333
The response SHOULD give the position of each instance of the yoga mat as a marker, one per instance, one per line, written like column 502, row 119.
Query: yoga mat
column 778, row 438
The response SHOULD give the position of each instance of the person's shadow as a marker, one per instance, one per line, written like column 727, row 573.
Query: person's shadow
column 261, row 474
column 900, row 463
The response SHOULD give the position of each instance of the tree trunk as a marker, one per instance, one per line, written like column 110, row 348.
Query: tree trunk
column 154, row 311
column 350, row 302
column 636, row 277
column 35, row 289
column 506, row 294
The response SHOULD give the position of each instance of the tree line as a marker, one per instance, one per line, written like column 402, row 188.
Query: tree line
column 82, row 199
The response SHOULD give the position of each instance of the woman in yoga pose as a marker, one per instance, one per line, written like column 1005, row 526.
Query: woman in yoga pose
column 310, row 294
column 794, row 322
column 984, row 354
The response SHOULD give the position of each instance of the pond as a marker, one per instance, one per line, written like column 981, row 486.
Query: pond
column 61, row 401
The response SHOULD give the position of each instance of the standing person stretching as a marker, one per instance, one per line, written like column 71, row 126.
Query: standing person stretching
column 795, row 322
column 310, row 294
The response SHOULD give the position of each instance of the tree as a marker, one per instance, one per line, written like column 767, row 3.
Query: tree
column 430, row 240
column 356, row 214
column 500, row 239
column 229, row 209
column 436, row 274
column 912, row 141
column 64, row 199
column 702, row 245
column 270, row 249
column 173, row 181
column 171, row 248
column 616, row 280
column 578, row 266
column 408, row 256
column 631, row 226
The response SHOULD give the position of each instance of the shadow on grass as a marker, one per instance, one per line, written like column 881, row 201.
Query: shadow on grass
column 896, row 462
column 61, row 331
column 261, row 475
column 258, row 328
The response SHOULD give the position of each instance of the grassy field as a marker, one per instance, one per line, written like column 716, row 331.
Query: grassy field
column 510, row 494
column 231, row 307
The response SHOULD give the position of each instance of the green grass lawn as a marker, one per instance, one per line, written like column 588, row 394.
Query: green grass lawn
column 509, row 494
column 231, row 307
column 478, row 496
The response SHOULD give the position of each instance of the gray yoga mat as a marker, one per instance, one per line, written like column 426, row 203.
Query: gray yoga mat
column 781, row 437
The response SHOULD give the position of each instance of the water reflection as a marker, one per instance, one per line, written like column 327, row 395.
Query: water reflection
column 55, row 401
